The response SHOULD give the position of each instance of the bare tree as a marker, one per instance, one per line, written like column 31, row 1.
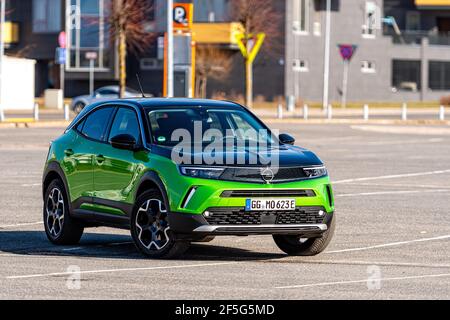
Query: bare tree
column 127, row 19
column 212, row 63
column 257, row 16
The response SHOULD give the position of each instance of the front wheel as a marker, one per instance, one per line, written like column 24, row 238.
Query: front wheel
column 150, row 228
column 298, row 246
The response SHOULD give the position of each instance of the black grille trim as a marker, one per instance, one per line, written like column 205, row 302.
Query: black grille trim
column 223, row 216
column 272, row 193
column 253, row 175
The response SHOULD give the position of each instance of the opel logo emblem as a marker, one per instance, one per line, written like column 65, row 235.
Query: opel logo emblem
column 267, row 175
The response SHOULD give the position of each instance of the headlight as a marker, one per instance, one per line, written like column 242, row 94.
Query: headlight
column 202, row 173
column 315, row 172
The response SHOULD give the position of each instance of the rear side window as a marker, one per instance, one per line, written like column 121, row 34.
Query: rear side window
column 95, row 124
column 126, row 122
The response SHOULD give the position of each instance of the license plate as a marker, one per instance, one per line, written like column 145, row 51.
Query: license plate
column 270, row 204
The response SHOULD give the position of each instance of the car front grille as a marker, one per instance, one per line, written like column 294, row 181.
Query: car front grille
column 253, row 175
column 299, row 193
column 238, row 216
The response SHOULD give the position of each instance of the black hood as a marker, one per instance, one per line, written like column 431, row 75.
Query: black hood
column 283, row 156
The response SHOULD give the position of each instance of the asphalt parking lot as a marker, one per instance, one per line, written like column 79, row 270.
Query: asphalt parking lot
column 392, row 187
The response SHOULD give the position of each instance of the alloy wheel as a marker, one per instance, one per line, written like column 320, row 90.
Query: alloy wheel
column 152, row 225
column 55, row 212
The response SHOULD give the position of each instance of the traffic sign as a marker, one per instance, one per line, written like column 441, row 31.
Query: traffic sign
column 60, row 56
column 347, row 51
column 183, row 14
column 250, row 46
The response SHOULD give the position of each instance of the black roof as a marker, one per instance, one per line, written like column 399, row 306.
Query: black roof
column 174, row 102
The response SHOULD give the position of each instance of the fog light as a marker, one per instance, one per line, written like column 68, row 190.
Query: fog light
column 321, row 213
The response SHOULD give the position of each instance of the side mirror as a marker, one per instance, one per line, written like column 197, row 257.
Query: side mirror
column 286, row 139
column 124, row 142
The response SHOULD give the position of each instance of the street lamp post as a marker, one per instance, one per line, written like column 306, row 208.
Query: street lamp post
column 326, row 73
column 170, row 49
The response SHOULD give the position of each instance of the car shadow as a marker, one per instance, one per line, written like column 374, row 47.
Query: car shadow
column 109, row 246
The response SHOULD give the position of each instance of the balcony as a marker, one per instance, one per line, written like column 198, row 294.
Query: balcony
column 415, row 38
column 217, row 33
column 432, row 4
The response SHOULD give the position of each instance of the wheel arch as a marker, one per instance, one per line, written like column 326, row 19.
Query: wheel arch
column 52, row 172
column 151, row 180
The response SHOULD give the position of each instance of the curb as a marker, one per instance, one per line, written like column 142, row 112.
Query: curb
column 357, row 121
column 42, row 124
column 64, row 124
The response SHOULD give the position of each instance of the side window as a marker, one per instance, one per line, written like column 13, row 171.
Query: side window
column 96, row 124
column 126, row 122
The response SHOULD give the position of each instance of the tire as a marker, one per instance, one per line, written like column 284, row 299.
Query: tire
column 78, row 107
column 60, row 227
column 150, row 228
column 296, row 246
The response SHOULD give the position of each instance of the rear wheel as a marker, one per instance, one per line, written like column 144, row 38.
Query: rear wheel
column 150, row 228
column 298, row 246
column 60, row 228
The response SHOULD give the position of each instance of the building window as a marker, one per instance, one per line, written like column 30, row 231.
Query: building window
column 151, row 64
column 413, row 21
column 439, row 75
column 368, row 67
column 300, row 65
column 87, row 30
column 406, row 75
column 371, row 16
column 301, row 16
column 46, row 16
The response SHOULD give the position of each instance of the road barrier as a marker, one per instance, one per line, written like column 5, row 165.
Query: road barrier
column 366, row 112
column 404, row 112
column 305, row 112
column 280, row 112
column 66, row 112
column 442, row 113
column 330, row 112
column 36, row 112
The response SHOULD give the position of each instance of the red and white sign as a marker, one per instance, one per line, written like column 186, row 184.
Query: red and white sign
column 91, row 55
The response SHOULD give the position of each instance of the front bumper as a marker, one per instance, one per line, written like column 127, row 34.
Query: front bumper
column 195, row 227
column 295, row 229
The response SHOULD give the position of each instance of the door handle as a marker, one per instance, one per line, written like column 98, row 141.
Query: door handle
column 69, row 152
column 100, row 158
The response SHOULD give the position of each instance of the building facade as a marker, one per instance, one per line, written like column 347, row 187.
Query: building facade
column 403, row 49
column 38, row 23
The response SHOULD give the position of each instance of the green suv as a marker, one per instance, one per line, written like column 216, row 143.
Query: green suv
column 177, row 171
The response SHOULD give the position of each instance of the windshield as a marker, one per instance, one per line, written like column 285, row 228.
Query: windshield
column 202, row 126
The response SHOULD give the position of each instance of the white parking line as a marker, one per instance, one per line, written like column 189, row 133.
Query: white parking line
column 31, row 185
column 19, row 225
column 425, row 186
column 121, row 270
column 392, row 244
column 389, row 192
column 406, row 175
column 322, row 284
column 393, row 142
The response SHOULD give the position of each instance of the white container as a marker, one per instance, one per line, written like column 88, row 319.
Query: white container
column 53, row 99
column 18, row 85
